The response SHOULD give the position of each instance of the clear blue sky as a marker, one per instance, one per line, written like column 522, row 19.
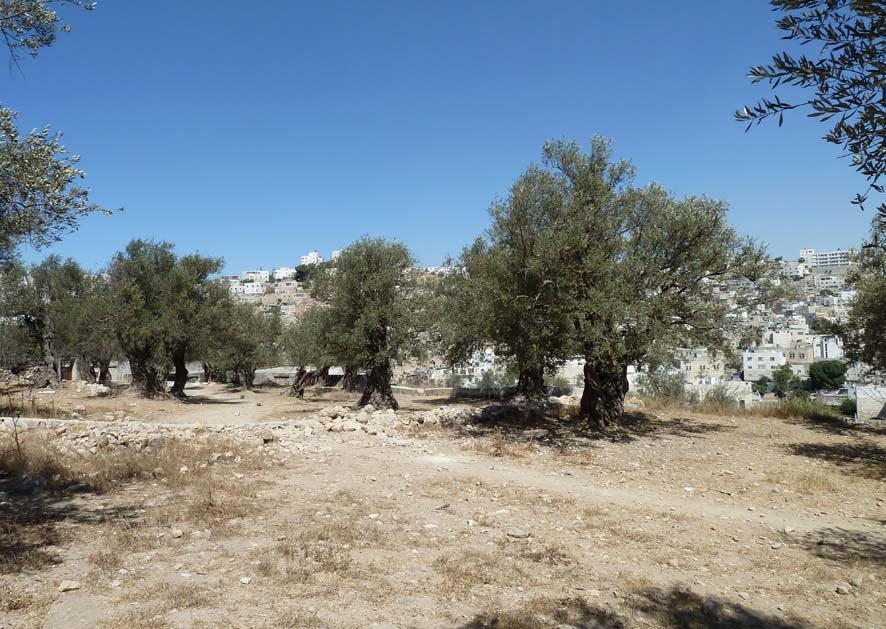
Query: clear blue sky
column 259, row 131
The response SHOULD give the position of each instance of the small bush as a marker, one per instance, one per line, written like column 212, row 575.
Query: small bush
column 796, row 406
column 848, row 407
column 719, row 398
column 665, row 386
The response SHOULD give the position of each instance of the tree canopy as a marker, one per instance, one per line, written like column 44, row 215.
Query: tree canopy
column 580, row 263
column 845, row 72
column 827, row 374
column 371, row 312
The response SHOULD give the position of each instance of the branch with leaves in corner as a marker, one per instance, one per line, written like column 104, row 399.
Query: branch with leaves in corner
column 846, row 73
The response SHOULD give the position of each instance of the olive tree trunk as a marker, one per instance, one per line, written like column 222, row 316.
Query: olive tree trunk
column 349, row 380
column 531, row 382
column 148, row 379
column 298, row 383
column 104, row 372
column 378, row 388
column 602, row 402
column 181, row 375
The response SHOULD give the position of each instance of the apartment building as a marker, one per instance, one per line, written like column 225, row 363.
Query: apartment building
column 761, row 361
column 283, row 273
column 258, row 275
column 814, row 258
column 312, row 257
column 698, row 366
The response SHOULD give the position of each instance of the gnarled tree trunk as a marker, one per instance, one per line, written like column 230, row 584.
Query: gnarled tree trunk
column 378, row 388
column 531, row 382
column 298, row 383
column 104, row 372
column 148, row 379
column 181, row 374
column 349, row 380
column 602, row 402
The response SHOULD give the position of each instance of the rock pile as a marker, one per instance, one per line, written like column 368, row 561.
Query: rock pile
column 119, row 433
column 93, row 389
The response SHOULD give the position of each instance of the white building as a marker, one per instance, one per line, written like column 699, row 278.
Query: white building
column 793, row 268
column 827, row 347
column 253, row 288
column 336, row 253
column 283, row 273
column 815, row 258
column 312, row 258
column 761, row 361
column 699, row 367
column 235, row 286
column 830, row 282
column 255, row 276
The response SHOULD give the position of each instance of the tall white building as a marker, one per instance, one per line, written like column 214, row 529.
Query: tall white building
column 312, row 258
column 335, row 254
column 815, row 258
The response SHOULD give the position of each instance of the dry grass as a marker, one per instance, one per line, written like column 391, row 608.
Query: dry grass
column 809, row 482
column 13, row 600
column 547, row 554
column 25, row 403
column 468, row 569
column 182, row 596
column 500, row 446
column 41, row 458
column 143, row 618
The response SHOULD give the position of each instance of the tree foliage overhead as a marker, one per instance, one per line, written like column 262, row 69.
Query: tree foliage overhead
column 29, row 25
column 40, row 195
column 40, row 198
column 845, row 71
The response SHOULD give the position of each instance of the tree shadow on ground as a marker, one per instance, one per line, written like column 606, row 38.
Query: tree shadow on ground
column 203, row 399
column 32, row 514
column 838, row 425
column 843, row 546
column 675, row 607
column 859, row 458
column 521, row 424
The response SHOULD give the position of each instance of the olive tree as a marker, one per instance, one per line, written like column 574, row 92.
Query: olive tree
column 503, row 293
column 164, row 306
column 238, row 339
column 623, row 275
column 371, row 306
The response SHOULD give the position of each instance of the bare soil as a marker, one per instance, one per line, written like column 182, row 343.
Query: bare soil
column 680, row 520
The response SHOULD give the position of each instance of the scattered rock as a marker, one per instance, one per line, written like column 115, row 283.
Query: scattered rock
column 67, row 586
column 843, row 589
column 518, row 533
column 176, row 533
column 246, row 580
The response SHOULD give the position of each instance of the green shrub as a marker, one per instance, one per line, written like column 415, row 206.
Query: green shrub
column 665, row 386
column 719, row 398
column 796, row 406
column 848, row 407
column 558, row 381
